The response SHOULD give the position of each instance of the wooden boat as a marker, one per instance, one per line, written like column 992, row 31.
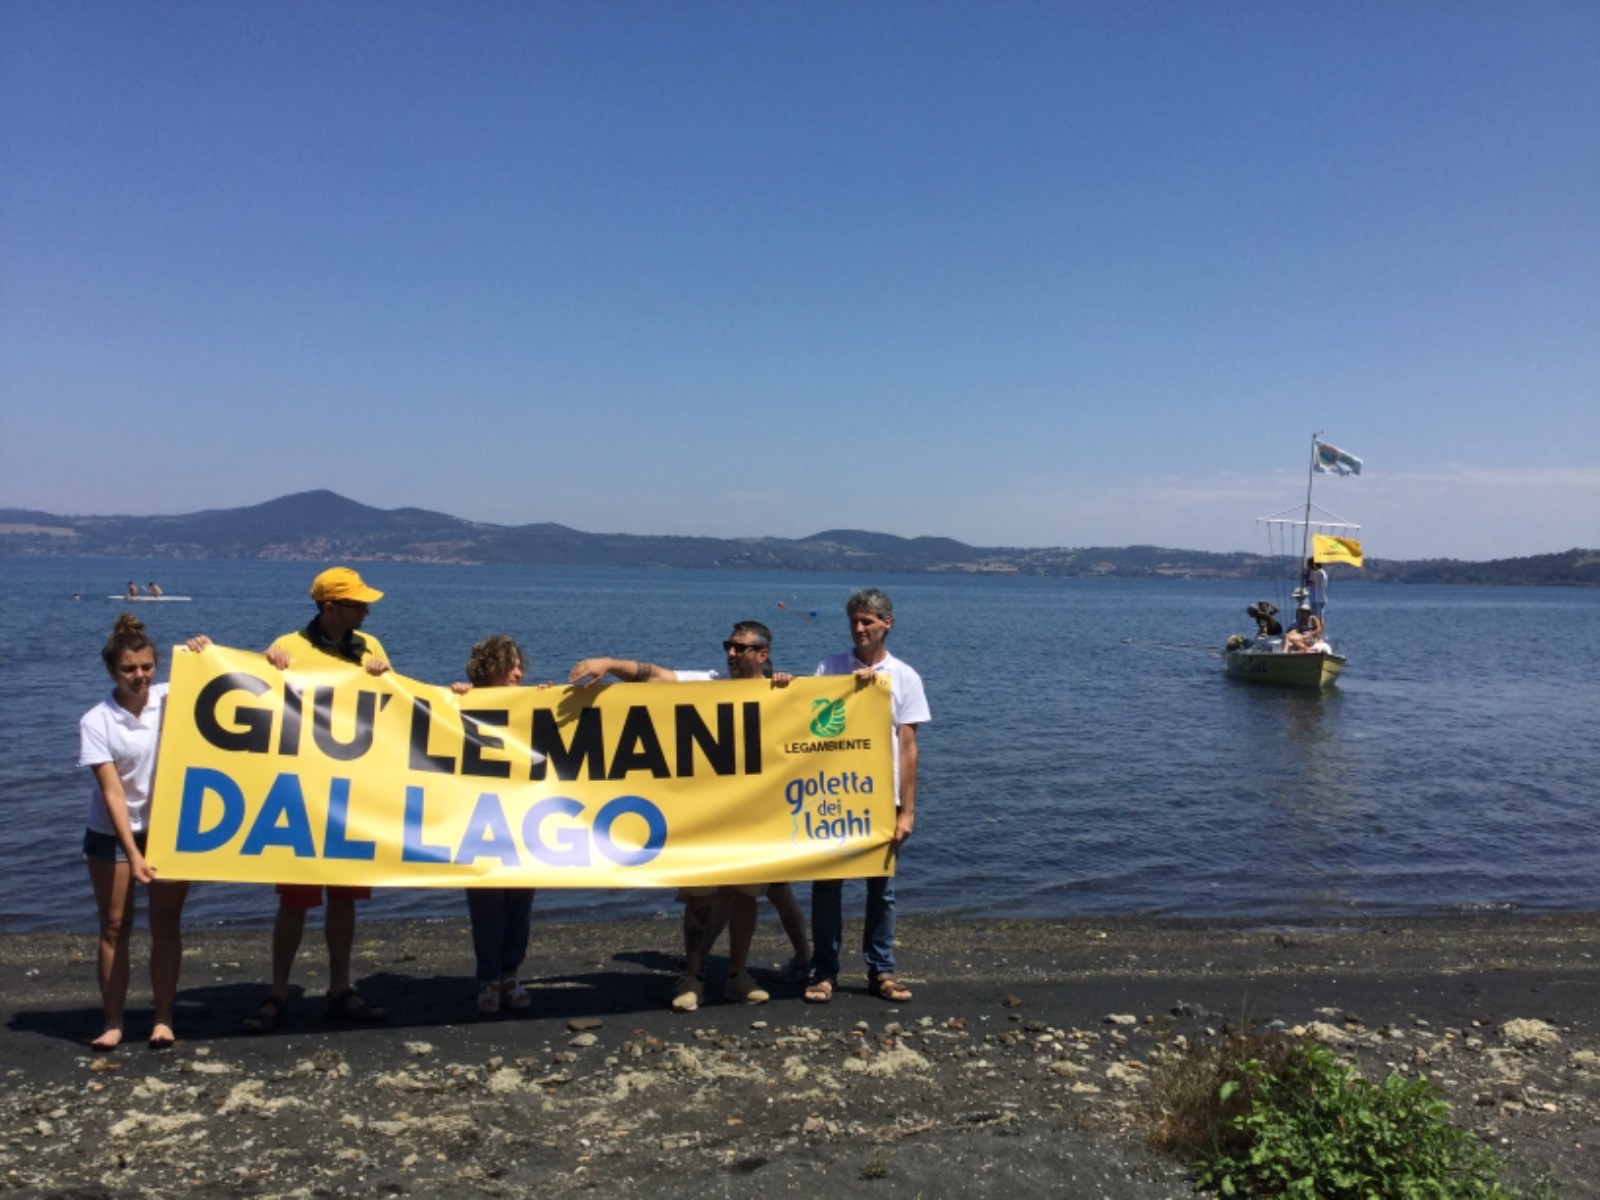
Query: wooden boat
column 1264, row 659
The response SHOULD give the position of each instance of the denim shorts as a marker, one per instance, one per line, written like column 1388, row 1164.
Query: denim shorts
column 106, row 847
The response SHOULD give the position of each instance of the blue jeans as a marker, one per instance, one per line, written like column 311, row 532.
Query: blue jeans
column 827, row 925
column 501, row 920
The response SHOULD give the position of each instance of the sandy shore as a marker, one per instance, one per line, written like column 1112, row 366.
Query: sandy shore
column 1020, row 1068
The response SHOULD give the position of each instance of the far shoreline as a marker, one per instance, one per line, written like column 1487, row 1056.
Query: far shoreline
column 889, row 556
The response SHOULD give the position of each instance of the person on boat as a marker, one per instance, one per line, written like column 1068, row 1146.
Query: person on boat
column 342, row 599
column 117, row 742
column 133, row 590
column 1265, row 615
column 707, row 909
column 1316, row 585
column 152, row 588
column 1305, row 635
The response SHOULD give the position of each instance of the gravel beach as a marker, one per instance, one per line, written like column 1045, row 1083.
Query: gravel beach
column 1021, row 1067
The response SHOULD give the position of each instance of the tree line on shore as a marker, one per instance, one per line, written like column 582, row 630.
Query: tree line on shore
column 323, row 526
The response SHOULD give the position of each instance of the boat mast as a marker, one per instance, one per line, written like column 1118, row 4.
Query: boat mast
column 1305, row 531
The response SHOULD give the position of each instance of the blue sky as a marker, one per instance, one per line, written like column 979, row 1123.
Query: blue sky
column 1016, row 273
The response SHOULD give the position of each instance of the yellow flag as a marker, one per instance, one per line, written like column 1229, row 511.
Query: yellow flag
column 1328, row 549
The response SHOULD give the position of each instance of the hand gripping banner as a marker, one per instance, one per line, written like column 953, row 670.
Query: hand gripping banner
column 332, row 775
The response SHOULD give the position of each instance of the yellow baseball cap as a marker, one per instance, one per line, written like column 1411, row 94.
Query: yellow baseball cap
column 341, row 583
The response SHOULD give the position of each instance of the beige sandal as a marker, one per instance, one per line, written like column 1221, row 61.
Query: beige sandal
column 819, row 990
column 887, row 987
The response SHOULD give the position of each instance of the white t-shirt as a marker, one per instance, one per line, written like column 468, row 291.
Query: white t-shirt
column 109, row 733
column 908, row 704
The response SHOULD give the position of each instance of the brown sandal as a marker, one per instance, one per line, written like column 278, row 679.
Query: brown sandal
column 887, row 987
column 348, row 1008
column 268, row 1017
column 819, row 990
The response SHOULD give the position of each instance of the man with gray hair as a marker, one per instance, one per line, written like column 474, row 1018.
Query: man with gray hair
column 871, row 618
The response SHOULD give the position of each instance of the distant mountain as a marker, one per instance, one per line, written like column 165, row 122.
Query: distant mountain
column 1571, row 568
column 859, row 541
column 323, row 526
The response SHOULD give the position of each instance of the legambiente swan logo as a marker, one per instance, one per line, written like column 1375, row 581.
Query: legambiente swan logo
column 829, row 718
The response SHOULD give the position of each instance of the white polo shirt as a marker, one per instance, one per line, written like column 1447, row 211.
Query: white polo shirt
column 908, row 704
column 109, row 733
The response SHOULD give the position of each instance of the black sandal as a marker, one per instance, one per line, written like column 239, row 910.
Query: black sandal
column 349, row 1008
column 268, row 1017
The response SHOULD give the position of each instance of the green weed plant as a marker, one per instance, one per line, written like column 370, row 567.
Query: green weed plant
column 1271, row 1117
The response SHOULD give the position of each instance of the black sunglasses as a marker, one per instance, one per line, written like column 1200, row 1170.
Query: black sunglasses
column 741, row 647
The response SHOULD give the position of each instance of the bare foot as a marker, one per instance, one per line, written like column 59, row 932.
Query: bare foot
column 162, row 1037
column 109, row 1040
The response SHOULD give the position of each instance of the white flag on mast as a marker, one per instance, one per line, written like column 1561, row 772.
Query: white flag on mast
column 1334, row 461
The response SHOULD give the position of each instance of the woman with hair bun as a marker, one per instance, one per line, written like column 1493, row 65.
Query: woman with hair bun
column 117, row 742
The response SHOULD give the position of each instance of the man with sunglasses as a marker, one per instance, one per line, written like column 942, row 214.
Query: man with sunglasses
column 749, row 651
column 342, row 599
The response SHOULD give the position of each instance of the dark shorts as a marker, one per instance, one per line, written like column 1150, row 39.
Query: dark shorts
column 309, row 895
column 685, row 894
column 106, row 847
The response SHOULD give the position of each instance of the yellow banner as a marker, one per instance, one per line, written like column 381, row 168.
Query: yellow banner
column 1326, row 548
column 334, row 776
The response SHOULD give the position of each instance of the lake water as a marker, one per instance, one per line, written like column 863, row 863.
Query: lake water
column 1086, row 756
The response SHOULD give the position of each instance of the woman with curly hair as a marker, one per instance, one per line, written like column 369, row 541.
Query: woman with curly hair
column 117, row 742
column 501, row 916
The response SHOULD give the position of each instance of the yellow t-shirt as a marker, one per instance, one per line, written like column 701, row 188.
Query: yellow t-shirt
column 303, row 643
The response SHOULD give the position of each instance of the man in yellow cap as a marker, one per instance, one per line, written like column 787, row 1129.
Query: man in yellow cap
column 342, row 600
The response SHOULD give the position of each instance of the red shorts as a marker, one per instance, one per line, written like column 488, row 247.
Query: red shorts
column 302, row 896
